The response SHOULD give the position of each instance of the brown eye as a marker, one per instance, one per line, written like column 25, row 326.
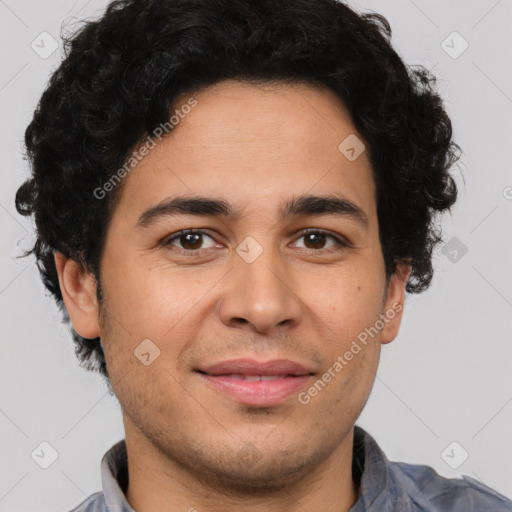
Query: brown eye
column 316, row 240
column 191, row 241
column 188, row 241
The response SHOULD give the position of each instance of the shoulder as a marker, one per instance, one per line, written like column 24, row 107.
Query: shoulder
column 94, row 503
column 432, row 492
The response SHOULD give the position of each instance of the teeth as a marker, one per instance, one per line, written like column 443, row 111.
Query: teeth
column 255, row 377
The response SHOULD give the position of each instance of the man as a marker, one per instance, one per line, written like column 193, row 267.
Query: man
column 232, row 199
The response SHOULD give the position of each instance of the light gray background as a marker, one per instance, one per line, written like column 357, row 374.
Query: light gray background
column 445, row 378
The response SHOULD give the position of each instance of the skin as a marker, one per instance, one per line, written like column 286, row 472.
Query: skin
column 189, row 445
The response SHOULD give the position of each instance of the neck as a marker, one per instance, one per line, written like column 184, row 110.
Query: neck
column 159, row 484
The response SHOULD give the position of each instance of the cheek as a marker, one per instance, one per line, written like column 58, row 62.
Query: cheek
column 149, row 300
column 347, row 385
column 347, row 302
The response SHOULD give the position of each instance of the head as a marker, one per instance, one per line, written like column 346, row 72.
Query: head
column 311, row 163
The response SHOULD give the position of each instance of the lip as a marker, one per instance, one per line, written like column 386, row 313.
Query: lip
column 227, row 377
column 248, row 366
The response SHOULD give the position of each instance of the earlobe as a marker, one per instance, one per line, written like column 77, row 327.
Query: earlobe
column 78, row 288
column 394, row 304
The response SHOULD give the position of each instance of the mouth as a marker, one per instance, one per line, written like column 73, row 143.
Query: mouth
column 256, row 383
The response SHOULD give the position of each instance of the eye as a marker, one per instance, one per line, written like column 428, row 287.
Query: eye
column 315, row 239
column 189, row 240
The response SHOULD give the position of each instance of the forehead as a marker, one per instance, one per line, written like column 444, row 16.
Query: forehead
column 253, row 142
column 273, row 113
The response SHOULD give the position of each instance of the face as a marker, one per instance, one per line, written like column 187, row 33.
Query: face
column 263, row 276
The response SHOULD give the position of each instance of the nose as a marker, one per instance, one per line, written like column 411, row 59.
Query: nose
column 260, row 296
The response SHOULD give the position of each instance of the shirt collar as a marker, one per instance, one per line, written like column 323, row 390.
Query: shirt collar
column 377, row 492
column 114, row 478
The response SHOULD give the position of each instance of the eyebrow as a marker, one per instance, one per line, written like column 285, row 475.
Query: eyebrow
column 304, row 205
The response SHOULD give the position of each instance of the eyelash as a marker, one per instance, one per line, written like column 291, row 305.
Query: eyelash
column 340, row 244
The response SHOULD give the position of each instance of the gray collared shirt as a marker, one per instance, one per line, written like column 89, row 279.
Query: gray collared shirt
column 386, row 486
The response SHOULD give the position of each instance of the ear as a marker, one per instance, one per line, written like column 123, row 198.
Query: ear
column 394, row 303
column 78, row 288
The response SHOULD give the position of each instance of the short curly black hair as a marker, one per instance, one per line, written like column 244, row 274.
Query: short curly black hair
column 123, row 73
